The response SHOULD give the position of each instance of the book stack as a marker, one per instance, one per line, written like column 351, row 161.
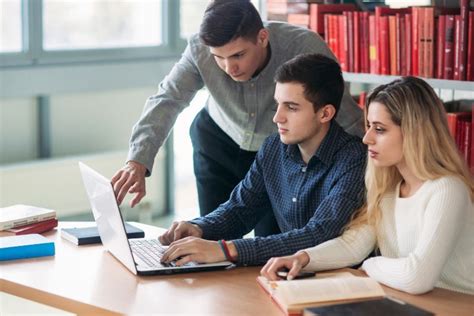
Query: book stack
column 460, row 115
column 25, row 219
column 430, row 42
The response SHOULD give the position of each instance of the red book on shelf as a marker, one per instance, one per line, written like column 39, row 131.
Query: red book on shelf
column 384, row 47
column 364, row 42
column 356, row 38
column 470, row 50
column 408, row 43
column 373, row 54
column 392, row 31
column 463, row 30
column 454, row 119
column 449, row 47
column 428, row 15
column 402, row 39
column 457, row 43
column 343, row 42
column 317, row 12
column 415, row 41
column 379, row 13
column 35, row 228
column 440, row 40
column 466, row 140
column 350, row 40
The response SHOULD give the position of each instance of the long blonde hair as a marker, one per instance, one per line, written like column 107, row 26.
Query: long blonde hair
column 428, row 147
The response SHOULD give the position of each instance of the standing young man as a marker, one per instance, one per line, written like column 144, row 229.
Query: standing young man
column 310, row 177
column 235, row 57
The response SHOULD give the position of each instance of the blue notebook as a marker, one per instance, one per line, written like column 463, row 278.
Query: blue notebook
column 90, row 235
column 25, row 246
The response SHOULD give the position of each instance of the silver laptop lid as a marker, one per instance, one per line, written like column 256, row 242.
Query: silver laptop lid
column 107, row 215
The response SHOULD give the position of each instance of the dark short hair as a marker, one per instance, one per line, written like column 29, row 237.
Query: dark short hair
column 226, row 20
column 320, row 76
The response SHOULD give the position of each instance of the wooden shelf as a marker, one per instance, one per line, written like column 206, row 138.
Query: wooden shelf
column 382, row 79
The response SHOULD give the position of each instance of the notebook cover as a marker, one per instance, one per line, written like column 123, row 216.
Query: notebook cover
column 25, row 246
column 386, row 307
column 35, row 228
column 90, row 235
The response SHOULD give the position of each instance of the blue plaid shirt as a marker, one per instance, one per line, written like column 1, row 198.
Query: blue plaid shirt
column 311, row 203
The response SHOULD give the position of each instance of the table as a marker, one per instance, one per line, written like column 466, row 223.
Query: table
column 88, row 280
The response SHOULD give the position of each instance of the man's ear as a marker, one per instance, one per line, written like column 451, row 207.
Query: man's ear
column 262, row 37
column 327, row 113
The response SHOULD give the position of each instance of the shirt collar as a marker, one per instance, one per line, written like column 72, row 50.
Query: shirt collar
column 330, row 145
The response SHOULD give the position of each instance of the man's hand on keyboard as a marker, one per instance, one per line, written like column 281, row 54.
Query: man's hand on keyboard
column 193, row 249
column 179, row 230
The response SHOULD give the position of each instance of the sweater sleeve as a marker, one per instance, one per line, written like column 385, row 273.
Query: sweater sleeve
column 446, row 212
column 353, row 246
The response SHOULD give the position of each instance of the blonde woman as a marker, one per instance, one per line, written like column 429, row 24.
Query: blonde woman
column 419, row 214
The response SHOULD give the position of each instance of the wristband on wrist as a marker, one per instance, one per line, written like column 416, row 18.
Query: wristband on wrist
column 222, row 243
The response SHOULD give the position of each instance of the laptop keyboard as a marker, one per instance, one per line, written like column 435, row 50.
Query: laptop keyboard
column 149, row 251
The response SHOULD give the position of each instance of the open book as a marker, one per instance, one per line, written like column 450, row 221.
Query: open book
column 324, row 289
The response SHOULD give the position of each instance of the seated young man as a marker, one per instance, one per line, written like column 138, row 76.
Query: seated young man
column 311, row 176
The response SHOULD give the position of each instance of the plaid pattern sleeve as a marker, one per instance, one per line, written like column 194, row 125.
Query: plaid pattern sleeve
column 311, row 202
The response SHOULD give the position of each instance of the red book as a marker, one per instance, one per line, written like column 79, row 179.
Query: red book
column 35, row 228
column 463, row 30
column 466, row 144
column 429, row 42
column 402, row 39
column 364, row 42
column 408, row 44
column 379, row 13
column 317, row 12
column 392, row 31
column 415, row 41
column 350, row 40
column 373, row 55
column 357, row 39
column 384, row 47
column 470, row 51
column 457, row 42
column 343, row 42
column 449, row 47
column 440, row 40
column 454, row 119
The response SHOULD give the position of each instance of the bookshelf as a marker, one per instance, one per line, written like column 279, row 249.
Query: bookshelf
column 383, row 79
column 435, row 43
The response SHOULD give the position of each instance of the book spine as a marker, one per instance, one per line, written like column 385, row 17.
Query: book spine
column 463, row 29
column 415, row 41
column 440, row 46
column 408, row 44
column 392, row 31
column 372, row 45
column 449, row 48
column 384, row 46
column 357, row 39
column 470, row 49
column 27, row 251
column 457, row 43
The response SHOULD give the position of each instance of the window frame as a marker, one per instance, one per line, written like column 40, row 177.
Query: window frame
column 33, row 54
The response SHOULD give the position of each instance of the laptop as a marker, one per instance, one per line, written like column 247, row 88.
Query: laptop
column 141, row 256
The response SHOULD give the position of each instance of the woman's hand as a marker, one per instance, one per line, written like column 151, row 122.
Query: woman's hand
column 292, row 263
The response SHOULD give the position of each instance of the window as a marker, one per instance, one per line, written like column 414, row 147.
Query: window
column 10, row 26
column 70, row 24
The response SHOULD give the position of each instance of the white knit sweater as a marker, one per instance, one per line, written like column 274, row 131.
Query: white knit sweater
column 426, row 241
